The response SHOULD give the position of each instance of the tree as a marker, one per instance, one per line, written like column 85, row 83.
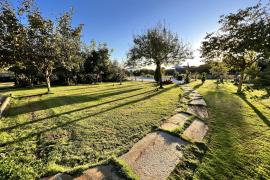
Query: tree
column 262, row 79
column 159, row 46
column 219, row 70
column 69, row 44
column 43, row 44
column 203, row 77
column 97, row 62
column 12, row 35
column 241, row 41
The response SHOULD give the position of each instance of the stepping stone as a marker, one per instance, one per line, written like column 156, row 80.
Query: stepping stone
column 195, row 95
column 184, row 100
column 105, row 172
column 200, row 111
column 155, row 156
column 197, row 102
column 59, row 176
column 174, row 122
column 195, row 132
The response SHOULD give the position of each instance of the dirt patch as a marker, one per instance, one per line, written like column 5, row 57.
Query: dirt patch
column 200, row 111
column 195, row 132
column 155, row 156
column 105, row 172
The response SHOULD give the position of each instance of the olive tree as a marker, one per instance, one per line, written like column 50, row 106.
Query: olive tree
column 159, row 46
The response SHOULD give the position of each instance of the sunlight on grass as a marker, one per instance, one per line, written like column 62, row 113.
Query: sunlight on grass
column 79, row 125
column 239, row 133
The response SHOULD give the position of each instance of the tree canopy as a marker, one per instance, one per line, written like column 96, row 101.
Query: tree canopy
column 159, row 46
column 241, row 40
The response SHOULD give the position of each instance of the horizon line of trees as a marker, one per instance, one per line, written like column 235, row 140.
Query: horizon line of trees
column 37, row 49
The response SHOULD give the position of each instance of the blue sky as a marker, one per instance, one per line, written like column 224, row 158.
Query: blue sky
column 116, row 21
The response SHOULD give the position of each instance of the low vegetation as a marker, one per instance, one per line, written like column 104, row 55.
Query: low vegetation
column 78, row 125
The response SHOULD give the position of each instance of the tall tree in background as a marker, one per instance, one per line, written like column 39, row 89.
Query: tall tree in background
column 69, row 44
column 97, row 61
column 158, row 46
column 241, row 41
column 219, row 70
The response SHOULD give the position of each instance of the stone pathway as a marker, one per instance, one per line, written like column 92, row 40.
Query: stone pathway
column 157, row 154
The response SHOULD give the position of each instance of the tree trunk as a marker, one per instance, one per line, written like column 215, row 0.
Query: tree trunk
column 48, row 82
column 97, row 78
column 160, row 75
column 31, row 83
column 240, row 82
column 120, row 80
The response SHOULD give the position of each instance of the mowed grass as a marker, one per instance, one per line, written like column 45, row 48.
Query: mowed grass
column 239, row 142
column 78, row 125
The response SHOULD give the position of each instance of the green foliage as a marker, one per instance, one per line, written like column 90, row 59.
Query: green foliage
column 263, row 79
column 241, row 41
column 69, row 43
column 203, row 77
column 218, row 70
column 187, row 76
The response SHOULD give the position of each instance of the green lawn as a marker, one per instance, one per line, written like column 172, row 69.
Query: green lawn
column 239, row 141
column 78, row 125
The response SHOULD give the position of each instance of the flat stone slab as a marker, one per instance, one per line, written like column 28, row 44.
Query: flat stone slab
column 155, row 156
column 59, row 176
column 195, row 132
column 195, row 95
column 174, row 122
column 103, row 172
column 197, row 102
column 200, row 111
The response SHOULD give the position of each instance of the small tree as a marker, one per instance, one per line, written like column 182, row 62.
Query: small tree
column 219, row 70
column 97, row 61
column 158, row 46
column 203, row 77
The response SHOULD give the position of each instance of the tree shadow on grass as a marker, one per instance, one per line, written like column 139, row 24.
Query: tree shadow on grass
column 256, row 110
column 154, row 93
column 227, row 128
column 31, row 96
column 72, row 111
column 62, row 100
column 198, row 86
